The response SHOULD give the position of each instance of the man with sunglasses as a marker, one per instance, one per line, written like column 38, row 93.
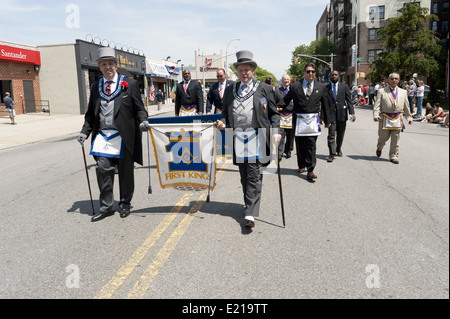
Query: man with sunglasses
column 215, row 94
column 310, row 107
column 391, row 105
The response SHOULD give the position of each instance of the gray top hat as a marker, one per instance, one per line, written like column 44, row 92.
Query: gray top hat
column 106, row 53
column 244, row 57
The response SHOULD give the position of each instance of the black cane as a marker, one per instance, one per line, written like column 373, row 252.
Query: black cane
column 87, row 176
column 149, row 177
column 281, row 189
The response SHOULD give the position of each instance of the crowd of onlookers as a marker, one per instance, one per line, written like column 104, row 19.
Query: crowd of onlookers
column 366, row 95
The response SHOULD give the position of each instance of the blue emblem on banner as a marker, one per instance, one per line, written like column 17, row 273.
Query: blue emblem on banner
column 185, row 147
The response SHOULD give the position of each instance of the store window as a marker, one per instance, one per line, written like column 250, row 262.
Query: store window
column 5, row 86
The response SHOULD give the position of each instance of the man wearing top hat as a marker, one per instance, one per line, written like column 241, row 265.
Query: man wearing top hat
column 249, row 109
column 115, row 118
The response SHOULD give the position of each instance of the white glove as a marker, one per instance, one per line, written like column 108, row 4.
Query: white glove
column 81, row 137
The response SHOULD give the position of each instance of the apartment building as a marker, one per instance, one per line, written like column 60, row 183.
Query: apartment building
column 353, row 26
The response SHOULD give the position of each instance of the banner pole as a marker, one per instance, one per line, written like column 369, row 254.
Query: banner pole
column 213, row 162
column 149, row 176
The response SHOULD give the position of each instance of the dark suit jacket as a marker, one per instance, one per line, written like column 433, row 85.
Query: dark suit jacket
column 129, row 112
column 266, row 116
column 213, row 96
column 342, row 106
column 279, row 96
column 193, row 96
column 317, row 102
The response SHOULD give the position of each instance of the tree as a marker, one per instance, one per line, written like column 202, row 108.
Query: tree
column 315, row 48
column 408, row 46
column 260, row 74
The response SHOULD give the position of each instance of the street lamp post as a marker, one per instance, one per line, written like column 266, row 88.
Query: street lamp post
column 356, row 42
column 226, row 54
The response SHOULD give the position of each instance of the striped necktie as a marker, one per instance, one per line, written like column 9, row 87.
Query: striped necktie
column 108, row 87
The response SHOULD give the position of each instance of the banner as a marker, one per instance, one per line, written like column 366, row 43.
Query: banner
column 185, row 154
column 223, row 140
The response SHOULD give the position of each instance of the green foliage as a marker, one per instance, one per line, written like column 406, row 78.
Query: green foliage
column 315, row 48
column 408, row 46
column 260, row 74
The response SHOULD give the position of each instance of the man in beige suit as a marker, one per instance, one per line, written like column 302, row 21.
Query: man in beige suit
column 391, row 105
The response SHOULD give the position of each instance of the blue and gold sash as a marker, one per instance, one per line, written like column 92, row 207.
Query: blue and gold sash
column 113, row 95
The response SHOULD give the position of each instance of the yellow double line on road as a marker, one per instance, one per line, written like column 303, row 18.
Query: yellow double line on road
column 152, row 270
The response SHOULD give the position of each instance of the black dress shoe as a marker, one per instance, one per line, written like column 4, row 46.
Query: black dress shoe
column 249, row 223
column 340, row 154
column 125, row 210
column 330, row 158
column 288, row 155
column 378, row 153
column 100, row 216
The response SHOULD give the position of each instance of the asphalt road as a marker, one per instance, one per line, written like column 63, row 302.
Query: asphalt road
column 366, row 228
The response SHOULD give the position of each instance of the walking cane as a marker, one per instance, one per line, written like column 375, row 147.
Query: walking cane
column 148, row 150
column 87, row 176
column 281, row 189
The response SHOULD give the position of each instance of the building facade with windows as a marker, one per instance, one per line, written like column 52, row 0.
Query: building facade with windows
column 19, row 75
column 353, row 26
column 69, row 70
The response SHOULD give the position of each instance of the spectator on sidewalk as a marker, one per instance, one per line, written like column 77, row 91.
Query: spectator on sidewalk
column 420, row 94
column 9, row 104
column 159, row 98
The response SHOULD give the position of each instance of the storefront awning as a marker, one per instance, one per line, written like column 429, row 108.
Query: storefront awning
column 157, row 69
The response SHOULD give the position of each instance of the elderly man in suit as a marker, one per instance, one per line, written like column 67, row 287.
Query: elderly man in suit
column 189, row 97
column 286, row 129
column 115, row 118
column 249, row 107
column 310, row 107
column 341, row 105
column 391, row 106
column 215, row 94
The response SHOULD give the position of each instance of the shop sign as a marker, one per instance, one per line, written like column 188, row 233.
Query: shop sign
column 8, row 53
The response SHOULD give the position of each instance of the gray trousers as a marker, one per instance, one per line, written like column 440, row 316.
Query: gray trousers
column 251, row 181
column 105, row 178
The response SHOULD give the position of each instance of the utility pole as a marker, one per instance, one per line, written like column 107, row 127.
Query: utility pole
column 355, row 9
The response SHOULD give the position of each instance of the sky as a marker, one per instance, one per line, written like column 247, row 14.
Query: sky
column 175, row 28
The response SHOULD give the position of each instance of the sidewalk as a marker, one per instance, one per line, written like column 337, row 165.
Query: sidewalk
column 36, row 127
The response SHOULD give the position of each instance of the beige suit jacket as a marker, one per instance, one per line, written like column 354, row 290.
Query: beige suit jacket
column 385, row 103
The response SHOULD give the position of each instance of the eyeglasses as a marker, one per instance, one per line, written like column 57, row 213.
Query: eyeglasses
column 394, row 78
column 310, row 71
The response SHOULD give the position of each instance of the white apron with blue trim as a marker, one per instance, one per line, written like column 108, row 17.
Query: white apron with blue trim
column 307, row 124
column 107, row 143
column 247, row 145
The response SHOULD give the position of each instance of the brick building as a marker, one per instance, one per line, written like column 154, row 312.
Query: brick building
column 19, row 75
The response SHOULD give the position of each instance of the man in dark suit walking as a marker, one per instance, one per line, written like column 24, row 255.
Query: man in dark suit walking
column 189, row 96
column 115, row 118
column 310, row 108
column 341, row 105
column 215, row 94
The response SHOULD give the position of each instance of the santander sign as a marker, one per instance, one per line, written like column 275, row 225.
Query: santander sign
column 8, row 53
